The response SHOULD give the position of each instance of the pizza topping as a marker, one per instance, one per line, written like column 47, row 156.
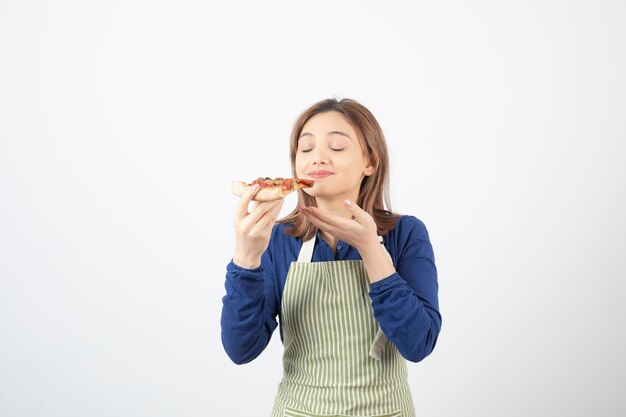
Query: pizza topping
column 271, row 189
column 286, row 184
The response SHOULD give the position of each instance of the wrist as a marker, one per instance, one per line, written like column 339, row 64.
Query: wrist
column 377, row 262
column 246, row 261
column 372, row 245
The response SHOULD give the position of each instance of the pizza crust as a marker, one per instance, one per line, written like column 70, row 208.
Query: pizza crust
column 264, row 194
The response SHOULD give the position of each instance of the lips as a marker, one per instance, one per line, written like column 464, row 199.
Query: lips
column 320, row 174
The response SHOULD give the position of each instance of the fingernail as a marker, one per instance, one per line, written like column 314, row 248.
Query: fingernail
column 348, row 203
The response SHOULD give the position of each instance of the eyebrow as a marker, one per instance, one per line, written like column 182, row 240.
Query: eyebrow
column 333, row 132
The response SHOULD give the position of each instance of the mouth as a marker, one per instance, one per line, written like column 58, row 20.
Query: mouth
column 320, row 174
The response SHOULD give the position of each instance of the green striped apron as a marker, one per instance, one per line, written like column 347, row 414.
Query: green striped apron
column 328, row 328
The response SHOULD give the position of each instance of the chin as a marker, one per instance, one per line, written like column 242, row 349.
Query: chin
column 310, row 191
column 320, row 193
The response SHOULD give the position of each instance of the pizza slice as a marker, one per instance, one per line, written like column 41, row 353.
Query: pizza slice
column 271, row 188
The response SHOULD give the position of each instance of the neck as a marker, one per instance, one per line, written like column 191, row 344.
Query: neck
column 334, row 206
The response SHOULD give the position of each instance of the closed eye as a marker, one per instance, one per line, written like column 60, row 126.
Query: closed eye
column 333, row 149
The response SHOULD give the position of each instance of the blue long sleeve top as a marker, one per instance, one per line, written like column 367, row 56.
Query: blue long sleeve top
column 405, row 303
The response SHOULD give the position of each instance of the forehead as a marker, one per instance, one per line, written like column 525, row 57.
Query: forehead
column 322, row 123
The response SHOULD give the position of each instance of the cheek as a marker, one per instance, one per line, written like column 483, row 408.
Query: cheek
column 354, row 166
column 299, row 166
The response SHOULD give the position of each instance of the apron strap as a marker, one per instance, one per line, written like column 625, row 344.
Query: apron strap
column 380, row 339
column 306, row 251
column 306, row 255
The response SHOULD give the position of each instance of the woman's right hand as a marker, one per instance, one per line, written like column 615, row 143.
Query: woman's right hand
column 253, row 229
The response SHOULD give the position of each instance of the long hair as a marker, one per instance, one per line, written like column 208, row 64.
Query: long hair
column 374, row 190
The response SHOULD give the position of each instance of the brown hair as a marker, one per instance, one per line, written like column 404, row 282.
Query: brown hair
column 374, row 191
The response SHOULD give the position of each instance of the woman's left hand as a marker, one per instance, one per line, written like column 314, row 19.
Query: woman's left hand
column 359, row 232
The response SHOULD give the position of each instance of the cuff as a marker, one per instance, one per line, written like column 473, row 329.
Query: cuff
column 391, row 281
column 233, row 267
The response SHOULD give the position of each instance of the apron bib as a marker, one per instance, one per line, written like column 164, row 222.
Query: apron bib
column 328, row 329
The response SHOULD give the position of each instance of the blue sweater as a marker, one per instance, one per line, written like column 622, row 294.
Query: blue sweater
column 405, row 303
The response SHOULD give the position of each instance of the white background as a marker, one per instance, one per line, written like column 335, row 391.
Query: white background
column 122, row 124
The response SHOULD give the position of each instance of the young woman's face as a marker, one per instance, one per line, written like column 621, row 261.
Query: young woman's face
column 330, row 153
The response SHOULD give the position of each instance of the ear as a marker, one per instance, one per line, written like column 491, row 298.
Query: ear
column 369, row 169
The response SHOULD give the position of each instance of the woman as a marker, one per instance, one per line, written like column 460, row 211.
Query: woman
column 355, row 285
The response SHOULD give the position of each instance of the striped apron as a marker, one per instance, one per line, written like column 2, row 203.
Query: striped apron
column 328, row 327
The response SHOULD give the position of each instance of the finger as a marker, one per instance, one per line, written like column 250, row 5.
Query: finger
column 261, row 209
column 244, row 201
column 327, row 218
column 359, row 214
column 265, row 205
column 314, row 217
column 267, row 220
column 316, row 222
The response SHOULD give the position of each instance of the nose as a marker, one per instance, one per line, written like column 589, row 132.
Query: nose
column 320, row 156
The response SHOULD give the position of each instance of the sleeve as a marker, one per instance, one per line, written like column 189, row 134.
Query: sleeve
column 406, row 303
column 248, row 310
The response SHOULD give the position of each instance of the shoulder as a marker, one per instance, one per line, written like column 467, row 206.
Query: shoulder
column 408, row 237
column 409, row 226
